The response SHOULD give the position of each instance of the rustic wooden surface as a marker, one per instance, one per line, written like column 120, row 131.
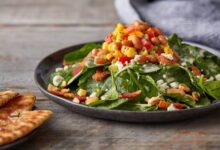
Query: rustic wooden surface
column 31, row 29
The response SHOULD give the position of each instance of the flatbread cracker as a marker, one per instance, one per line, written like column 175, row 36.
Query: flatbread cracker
column 16, row 127
column 6, row 96
column 17, row 105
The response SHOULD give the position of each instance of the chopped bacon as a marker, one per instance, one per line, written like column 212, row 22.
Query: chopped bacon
column 100, row 75
column 163, row 104
column 147, row 58
column 131, row 95
column 195, row 70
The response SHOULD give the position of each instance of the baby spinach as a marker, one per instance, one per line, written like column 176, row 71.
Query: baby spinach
column 80, row 53
column 213, row 88
column 182, row 98
column 112, row 93
column 109, row 104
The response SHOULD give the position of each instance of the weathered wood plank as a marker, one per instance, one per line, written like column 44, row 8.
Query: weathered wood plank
column 57, row 12
column 27, row 43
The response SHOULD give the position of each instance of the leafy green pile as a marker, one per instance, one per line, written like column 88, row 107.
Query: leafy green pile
column 145, row 77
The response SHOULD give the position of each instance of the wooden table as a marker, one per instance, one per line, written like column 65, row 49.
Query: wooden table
column 32, row 29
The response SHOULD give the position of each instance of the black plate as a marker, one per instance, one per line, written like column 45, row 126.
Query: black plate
column 48, row 65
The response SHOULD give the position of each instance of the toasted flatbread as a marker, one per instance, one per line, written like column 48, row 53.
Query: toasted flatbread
column 18, row 104
column 6, row 96
column 14, row 128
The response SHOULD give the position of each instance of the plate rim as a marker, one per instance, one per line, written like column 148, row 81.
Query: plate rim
column 44, row 91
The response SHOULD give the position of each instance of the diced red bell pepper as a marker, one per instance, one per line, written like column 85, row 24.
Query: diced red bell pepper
column 76, row 70
column 108, row 38
column 124, row 59
column 131, row 95
column 179, row 106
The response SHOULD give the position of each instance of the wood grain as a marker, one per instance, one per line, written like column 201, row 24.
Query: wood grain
column 30, row 30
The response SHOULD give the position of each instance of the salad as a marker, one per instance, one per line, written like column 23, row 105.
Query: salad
column 138, row 68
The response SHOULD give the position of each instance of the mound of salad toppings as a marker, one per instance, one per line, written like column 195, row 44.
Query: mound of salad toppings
column 138, row 68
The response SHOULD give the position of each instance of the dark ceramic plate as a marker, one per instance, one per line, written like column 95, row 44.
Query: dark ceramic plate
column 49, row 63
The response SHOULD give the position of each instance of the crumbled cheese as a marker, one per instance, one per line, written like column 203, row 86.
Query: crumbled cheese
column 164, row 76
column 136, row 57
column 217, row 77
column 183, row 64
column 59, row 69
column 160, row 82
column 119, row 65
column 163, row 87
column 210, row 79
column 174, row 84
column 93, row 94
column 57, row 80
column 146, row 99
column 168, row 56
column 65, row 68
column 172, row 108
column 104, row 97
column 76, row 100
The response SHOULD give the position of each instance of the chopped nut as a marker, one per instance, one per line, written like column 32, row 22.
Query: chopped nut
column 65, row 90
column 174, row 90
column 155, row 100
column 90, row 100
column 68, row 95
column 184, row 87
column 195, row 96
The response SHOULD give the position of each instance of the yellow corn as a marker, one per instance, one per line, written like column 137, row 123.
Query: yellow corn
column 82, row 92
column 130, row 37
column 117, row 53
column 168, row 50
column 138, row 34
column 130, row 52
column 119, row 37
column 143, row 52
column 105, row 45
column 109, row 56
column 112, row 47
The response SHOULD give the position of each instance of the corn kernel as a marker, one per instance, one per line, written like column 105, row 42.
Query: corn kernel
column 143, row 52
column 130, row 37
column 168, row 50
column 130, row 52
column 63, row 84
column 119, row 37
column 109, row 56
column 117, row 53
column 82, row 92
column 119, row 26
column 105, row 45
column 112, row 47
column 138, row 34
